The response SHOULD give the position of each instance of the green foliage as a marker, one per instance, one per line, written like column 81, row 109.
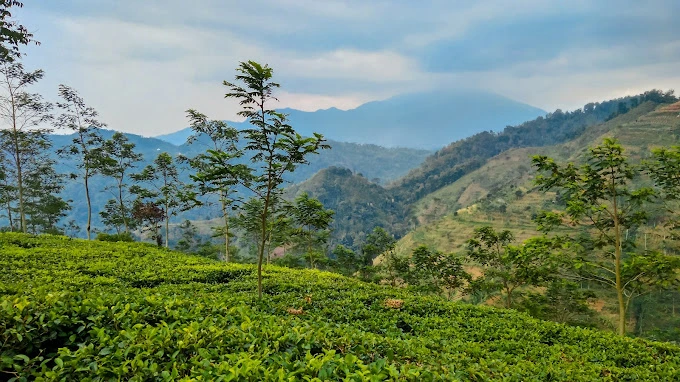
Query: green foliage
column 76, row 310
column 311, row 222
column 276, row 147
column 118, row 159
column 359, row 205
column 165, row 188
column 434, row 271
column 601, row 195
column 563, row 301
column 24, row 145
column 346, row 261
column 507, row 268
column 377, row 243
column 87, row 141
column 215, row 169
column 115, row 237
column 12, row 33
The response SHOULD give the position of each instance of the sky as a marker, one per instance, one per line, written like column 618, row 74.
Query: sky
column 142, row 64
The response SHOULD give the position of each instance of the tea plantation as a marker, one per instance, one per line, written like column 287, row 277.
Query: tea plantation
column 73, row 310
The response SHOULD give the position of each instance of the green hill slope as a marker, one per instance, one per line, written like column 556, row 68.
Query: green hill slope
column 77, row 310
column 359, row 204
column 462, row 157
column 500, row 193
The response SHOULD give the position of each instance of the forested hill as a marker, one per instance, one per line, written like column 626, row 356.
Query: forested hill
column 461, row 157
column 410, row 120
column 359, row 205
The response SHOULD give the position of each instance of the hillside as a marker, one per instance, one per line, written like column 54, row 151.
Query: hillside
column 420, row 120
column 359, row 204
column 464, row 156
column 501, row 194
column 77, row 310
column 507, row 180
column 433, row 189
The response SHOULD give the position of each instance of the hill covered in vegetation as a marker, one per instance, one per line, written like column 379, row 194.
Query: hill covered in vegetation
column 77, row 310
column 435, row 187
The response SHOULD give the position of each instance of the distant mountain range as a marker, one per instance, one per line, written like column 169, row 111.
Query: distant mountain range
column 428, row 120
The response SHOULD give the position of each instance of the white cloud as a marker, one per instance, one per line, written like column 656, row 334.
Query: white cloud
column 142, row 64
column 142, row 78
column 382, row 66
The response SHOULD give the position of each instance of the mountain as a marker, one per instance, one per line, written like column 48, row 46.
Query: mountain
column 425, row 120
column 360, row 207
column 501, row 191
column 76, row 310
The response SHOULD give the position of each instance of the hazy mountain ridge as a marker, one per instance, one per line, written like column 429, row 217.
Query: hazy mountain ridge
column 427, row 120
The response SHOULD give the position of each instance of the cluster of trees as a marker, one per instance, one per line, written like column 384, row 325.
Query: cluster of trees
column 587, row 243
column 29, row 185
column 146, row 199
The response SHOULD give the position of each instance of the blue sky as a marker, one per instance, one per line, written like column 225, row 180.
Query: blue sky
column 143, row 63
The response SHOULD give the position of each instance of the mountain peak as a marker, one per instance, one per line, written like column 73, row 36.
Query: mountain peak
column 426, row 120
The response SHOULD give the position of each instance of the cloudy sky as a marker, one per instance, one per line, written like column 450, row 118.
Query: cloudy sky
column 143, row 63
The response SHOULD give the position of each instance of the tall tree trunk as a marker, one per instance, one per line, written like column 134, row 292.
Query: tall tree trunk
column 123, row 215
column 167, row 226
column 617, row 269
column 225, row 216
column 20, row 183
column 263, row 241
column 9, row 216
column 89, row 204
column 17, row 157
column 508, row 298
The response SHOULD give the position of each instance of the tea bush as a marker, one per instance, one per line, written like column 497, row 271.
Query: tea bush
column 93, row 311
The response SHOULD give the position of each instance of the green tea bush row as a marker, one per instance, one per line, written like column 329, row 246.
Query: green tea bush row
column 77, row 310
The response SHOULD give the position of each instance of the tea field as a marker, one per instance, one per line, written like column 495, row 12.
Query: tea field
column 73, row 310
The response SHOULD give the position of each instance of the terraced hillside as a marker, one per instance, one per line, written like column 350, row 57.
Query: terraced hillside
column 76, row 310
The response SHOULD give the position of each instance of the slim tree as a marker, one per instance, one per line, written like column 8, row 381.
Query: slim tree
column 601, row 196
column 507, row 268
column 117, row 161
column 21, row 113
column 87, row 140
column 8, row 191
column 311, row 221
column 216, row 170
column 167, row 190
column 275, row 146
